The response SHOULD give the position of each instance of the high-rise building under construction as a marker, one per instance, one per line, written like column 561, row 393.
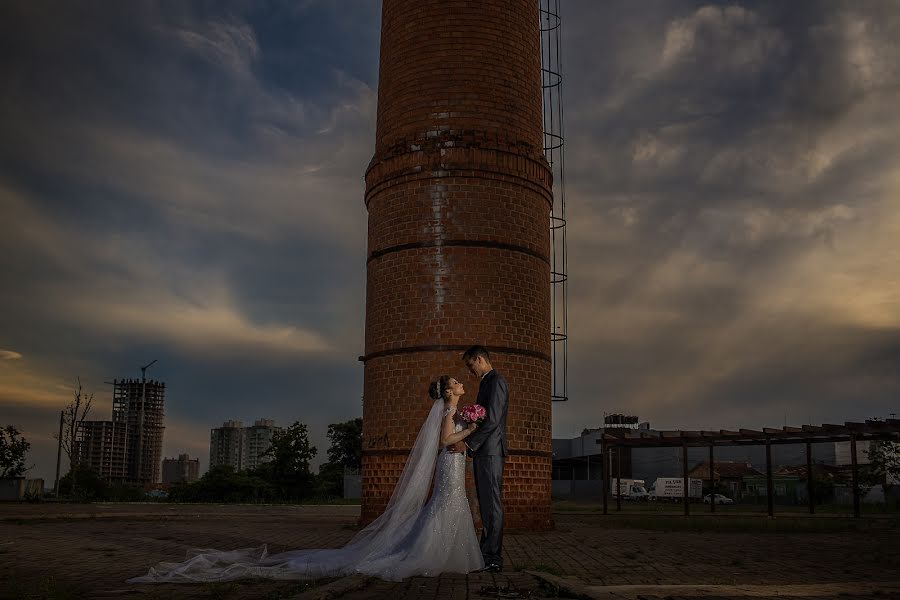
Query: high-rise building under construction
column 128, row 448
column 139, row 404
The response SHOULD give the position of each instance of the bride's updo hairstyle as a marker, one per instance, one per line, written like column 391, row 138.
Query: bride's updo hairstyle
column 437, row 388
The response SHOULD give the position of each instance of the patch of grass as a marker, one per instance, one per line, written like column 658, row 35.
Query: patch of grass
column 745, row 508
column 340, row 501
column 155, row 595
column 46, row 588
column 39, row 520
column 572, row 506
column 746, row 524
column 219, row 591
column 291, row 590
column 549, row 589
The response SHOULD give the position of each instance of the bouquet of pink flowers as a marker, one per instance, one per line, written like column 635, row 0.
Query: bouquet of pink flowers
column 473, row 413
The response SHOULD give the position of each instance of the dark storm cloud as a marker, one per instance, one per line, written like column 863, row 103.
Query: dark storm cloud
column 733, row 214
column 184, row 182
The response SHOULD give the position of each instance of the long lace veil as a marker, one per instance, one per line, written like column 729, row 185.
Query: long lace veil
column 369, row 551
column 412, row 488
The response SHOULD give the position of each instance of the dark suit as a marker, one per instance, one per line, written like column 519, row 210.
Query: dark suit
column 487, row 446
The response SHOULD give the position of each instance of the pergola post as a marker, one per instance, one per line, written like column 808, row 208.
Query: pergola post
column 686, row 482
column 712, row 481
column 810, row 482
column 618, row 478
column 770, row 491
column 855, row 479
column 604, row 472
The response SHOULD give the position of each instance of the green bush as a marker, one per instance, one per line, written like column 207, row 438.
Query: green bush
column 90, row 487
column 223, row 484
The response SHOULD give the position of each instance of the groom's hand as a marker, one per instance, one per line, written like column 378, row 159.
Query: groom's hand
column 459, row 447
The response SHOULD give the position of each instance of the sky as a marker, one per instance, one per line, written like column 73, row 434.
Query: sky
column 184, row 182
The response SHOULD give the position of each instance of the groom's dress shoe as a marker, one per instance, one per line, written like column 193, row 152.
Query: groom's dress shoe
column 494, row 568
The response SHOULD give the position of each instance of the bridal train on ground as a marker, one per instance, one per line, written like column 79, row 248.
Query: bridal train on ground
column 410, row 538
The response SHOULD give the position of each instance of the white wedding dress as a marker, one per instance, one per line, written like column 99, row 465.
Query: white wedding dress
column 410, row 538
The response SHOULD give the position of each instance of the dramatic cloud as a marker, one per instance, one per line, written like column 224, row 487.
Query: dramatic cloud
column 734, row 219
column 697, row 41
column 185, row 182
column 193, row 196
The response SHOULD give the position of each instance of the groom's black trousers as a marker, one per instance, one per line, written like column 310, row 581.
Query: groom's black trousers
column 488, row 471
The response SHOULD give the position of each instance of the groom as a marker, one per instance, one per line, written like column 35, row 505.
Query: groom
column 488, row 448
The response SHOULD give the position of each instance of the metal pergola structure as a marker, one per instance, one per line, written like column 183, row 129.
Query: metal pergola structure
column 888, row 430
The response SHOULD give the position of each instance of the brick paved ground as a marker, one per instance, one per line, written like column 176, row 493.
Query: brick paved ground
column 65, row 551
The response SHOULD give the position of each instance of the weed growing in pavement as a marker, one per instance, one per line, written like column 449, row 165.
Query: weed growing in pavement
column 294, row 589
column 46, row 588
column 219, row 591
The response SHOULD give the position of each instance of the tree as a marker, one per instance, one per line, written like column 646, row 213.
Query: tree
column 222, row 484
column 884, row 461
column 291, row 450
column 288, row 469
column 12, row 452
column 345, row 452
column 346, row 443
column 91, row 487
column 73, row 417
column 330, row 481
column 822, row 488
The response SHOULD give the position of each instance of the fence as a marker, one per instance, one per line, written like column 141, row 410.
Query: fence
column 888, row 430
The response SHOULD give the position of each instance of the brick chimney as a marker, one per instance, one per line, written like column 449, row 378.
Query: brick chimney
column 458, row 195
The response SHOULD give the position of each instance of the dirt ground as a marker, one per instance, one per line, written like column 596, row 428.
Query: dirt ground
column 88, row 551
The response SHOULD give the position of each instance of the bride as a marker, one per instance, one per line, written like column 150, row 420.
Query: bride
column 411, row 537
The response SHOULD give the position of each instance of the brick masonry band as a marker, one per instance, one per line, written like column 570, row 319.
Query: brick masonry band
column 449, row 243
column 480, row 159
column 459, row 348
column 406, row 451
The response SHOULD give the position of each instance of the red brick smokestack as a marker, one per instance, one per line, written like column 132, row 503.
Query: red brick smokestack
column 459, row 197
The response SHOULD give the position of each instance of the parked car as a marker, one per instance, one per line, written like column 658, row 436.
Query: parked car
column 720, row 499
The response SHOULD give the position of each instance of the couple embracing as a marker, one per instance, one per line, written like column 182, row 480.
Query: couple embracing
column 412, row 536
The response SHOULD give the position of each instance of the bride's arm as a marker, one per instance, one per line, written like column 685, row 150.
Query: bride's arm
column 449, row 437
